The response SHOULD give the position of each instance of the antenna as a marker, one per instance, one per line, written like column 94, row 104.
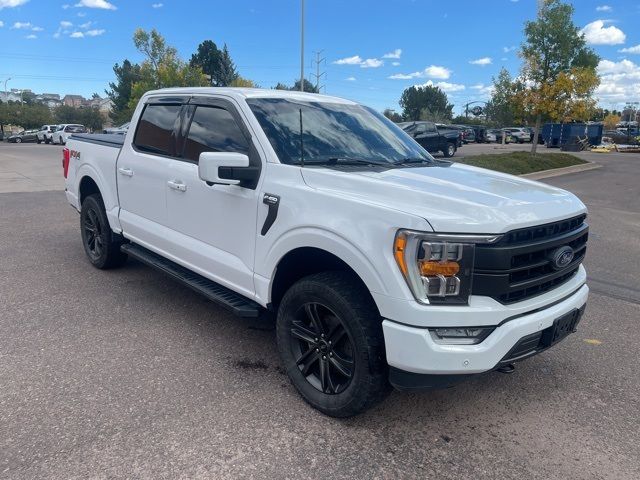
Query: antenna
column 301, row 142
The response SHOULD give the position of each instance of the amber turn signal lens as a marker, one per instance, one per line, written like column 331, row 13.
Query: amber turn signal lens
column 398, row 252
column 431, row 269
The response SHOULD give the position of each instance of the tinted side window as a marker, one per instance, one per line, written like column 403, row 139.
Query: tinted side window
column 213, row 129
column 421, row 128
column 155, row 129
column 431, row 127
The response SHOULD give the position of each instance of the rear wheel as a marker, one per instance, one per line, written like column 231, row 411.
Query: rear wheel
column 450, row 151
column 18, row 140
column 331, row 344
column 101, row 245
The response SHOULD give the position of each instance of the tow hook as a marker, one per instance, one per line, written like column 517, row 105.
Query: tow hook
column 508, row 368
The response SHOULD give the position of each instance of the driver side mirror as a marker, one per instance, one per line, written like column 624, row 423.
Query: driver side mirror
column 223, row 168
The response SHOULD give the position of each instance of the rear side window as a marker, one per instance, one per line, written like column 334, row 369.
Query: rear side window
column 213, row 129
column 155, row 129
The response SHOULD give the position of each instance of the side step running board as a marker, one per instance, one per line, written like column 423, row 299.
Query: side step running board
column 215, row 292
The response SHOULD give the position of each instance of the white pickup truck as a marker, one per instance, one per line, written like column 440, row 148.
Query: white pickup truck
column 381, row 264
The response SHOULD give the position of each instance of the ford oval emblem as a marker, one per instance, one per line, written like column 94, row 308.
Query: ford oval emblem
column 561, row 257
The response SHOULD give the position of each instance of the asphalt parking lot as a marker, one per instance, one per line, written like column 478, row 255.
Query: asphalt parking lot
column 124, row 373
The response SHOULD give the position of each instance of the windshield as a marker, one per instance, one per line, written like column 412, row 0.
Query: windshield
column 332, row 131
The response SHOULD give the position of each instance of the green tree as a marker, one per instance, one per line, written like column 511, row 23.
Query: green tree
column 501, row 109
column 215, row 63
column 162, row 67
column 27, row 115
column 120, row 91
column 88, row 116
column 392, row 115
column 243, row 82
column 426, row 102
column 555, row 58
column 308, row 86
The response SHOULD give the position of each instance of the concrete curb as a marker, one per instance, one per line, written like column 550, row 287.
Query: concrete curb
column 556, row 172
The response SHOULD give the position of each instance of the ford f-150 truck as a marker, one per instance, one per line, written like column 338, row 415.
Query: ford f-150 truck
column 382, row 265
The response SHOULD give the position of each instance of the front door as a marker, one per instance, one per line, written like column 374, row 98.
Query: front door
column 427, row 136
column 215, row 225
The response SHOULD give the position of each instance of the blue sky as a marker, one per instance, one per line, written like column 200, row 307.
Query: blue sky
column 373, row 49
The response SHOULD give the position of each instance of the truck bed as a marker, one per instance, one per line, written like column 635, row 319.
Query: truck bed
column 107, row 139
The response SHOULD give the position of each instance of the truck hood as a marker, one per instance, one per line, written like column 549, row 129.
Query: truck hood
column 453, row 198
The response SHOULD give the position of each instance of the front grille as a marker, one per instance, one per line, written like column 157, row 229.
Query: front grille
column 518, row 266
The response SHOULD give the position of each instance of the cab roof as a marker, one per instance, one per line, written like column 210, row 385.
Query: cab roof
column 244, row 93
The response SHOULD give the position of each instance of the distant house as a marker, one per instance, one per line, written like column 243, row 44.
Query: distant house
column 75, row 101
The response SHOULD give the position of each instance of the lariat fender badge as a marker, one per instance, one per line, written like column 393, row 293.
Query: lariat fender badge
column 273, row 202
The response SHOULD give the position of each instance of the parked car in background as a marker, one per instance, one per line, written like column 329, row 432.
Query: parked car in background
column 121, row 130
column 495, row 135
column 62, row 134
column 26, row 136
column 519, row 134
column 434, row 138
column 468, row 133
column 46, row 132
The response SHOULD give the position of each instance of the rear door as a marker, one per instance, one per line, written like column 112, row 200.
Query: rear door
column 427, row 136
column 142, row 171
column 214, row 225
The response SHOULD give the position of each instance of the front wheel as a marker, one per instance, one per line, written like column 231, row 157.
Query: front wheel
column 101, row 245
column 331, row 344
column 450, row 151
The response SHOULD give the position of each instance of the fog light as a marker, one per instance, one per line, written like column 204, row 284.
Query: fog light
column 461, row 336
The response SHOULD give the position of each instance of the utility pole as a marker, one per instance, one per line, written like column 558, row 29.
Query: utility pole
column 318, row 75
column 5, row 87
column 302, row 45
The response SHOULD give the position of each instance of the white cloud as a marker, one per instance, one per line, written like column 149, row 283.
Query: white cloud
column 395, row 54
column 21, row 25
column 31, row 37
column 66, row 6
column 603, row 8
column 66, row 24
column 85, row 25
column 483, row 89
column 481, row 61
column 597, row 34
column 395, row 64
column 11, row 3
column 350, row 79
column 1, row 24
column 355, row 60
column 37, row 29
column 95, row 33
column 444, row 86
column 371, row 63
column 77, row 35
column 635, row 49
column 157, row 5
column 433, row 71
column 103, row 4
column 619, row 81
column 509, row 49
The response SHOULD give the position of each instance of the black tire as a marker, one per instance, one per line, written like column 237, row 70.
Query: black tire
column 328, row 327
column 18, row 140
column 46, row 141
column 450, row 151
column 39, row 141
column 100, row 244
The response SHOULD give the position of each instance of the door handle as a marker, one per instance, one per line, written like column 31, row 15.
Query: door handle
column 127, row 172
column 175, row 185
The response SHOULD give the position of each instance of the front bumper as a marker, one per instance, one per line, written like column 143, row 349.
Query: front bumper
column 412, row 349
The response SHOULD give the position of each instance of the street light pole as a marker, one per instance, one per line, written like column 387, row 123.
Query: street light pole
column 302, row 45
column 5, row 88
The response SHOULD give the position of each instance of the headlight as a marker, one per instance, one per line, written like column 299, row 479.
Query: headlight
column 438, row 268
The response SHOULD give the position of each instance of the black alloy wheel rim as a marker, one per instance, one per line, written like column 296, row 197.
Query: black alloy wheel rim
column 322, row 348
column 93, row 233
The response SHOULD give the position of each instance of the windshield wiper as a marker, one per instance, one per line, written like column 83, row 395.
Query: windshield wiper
column 412, row 160
column 347, row 161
